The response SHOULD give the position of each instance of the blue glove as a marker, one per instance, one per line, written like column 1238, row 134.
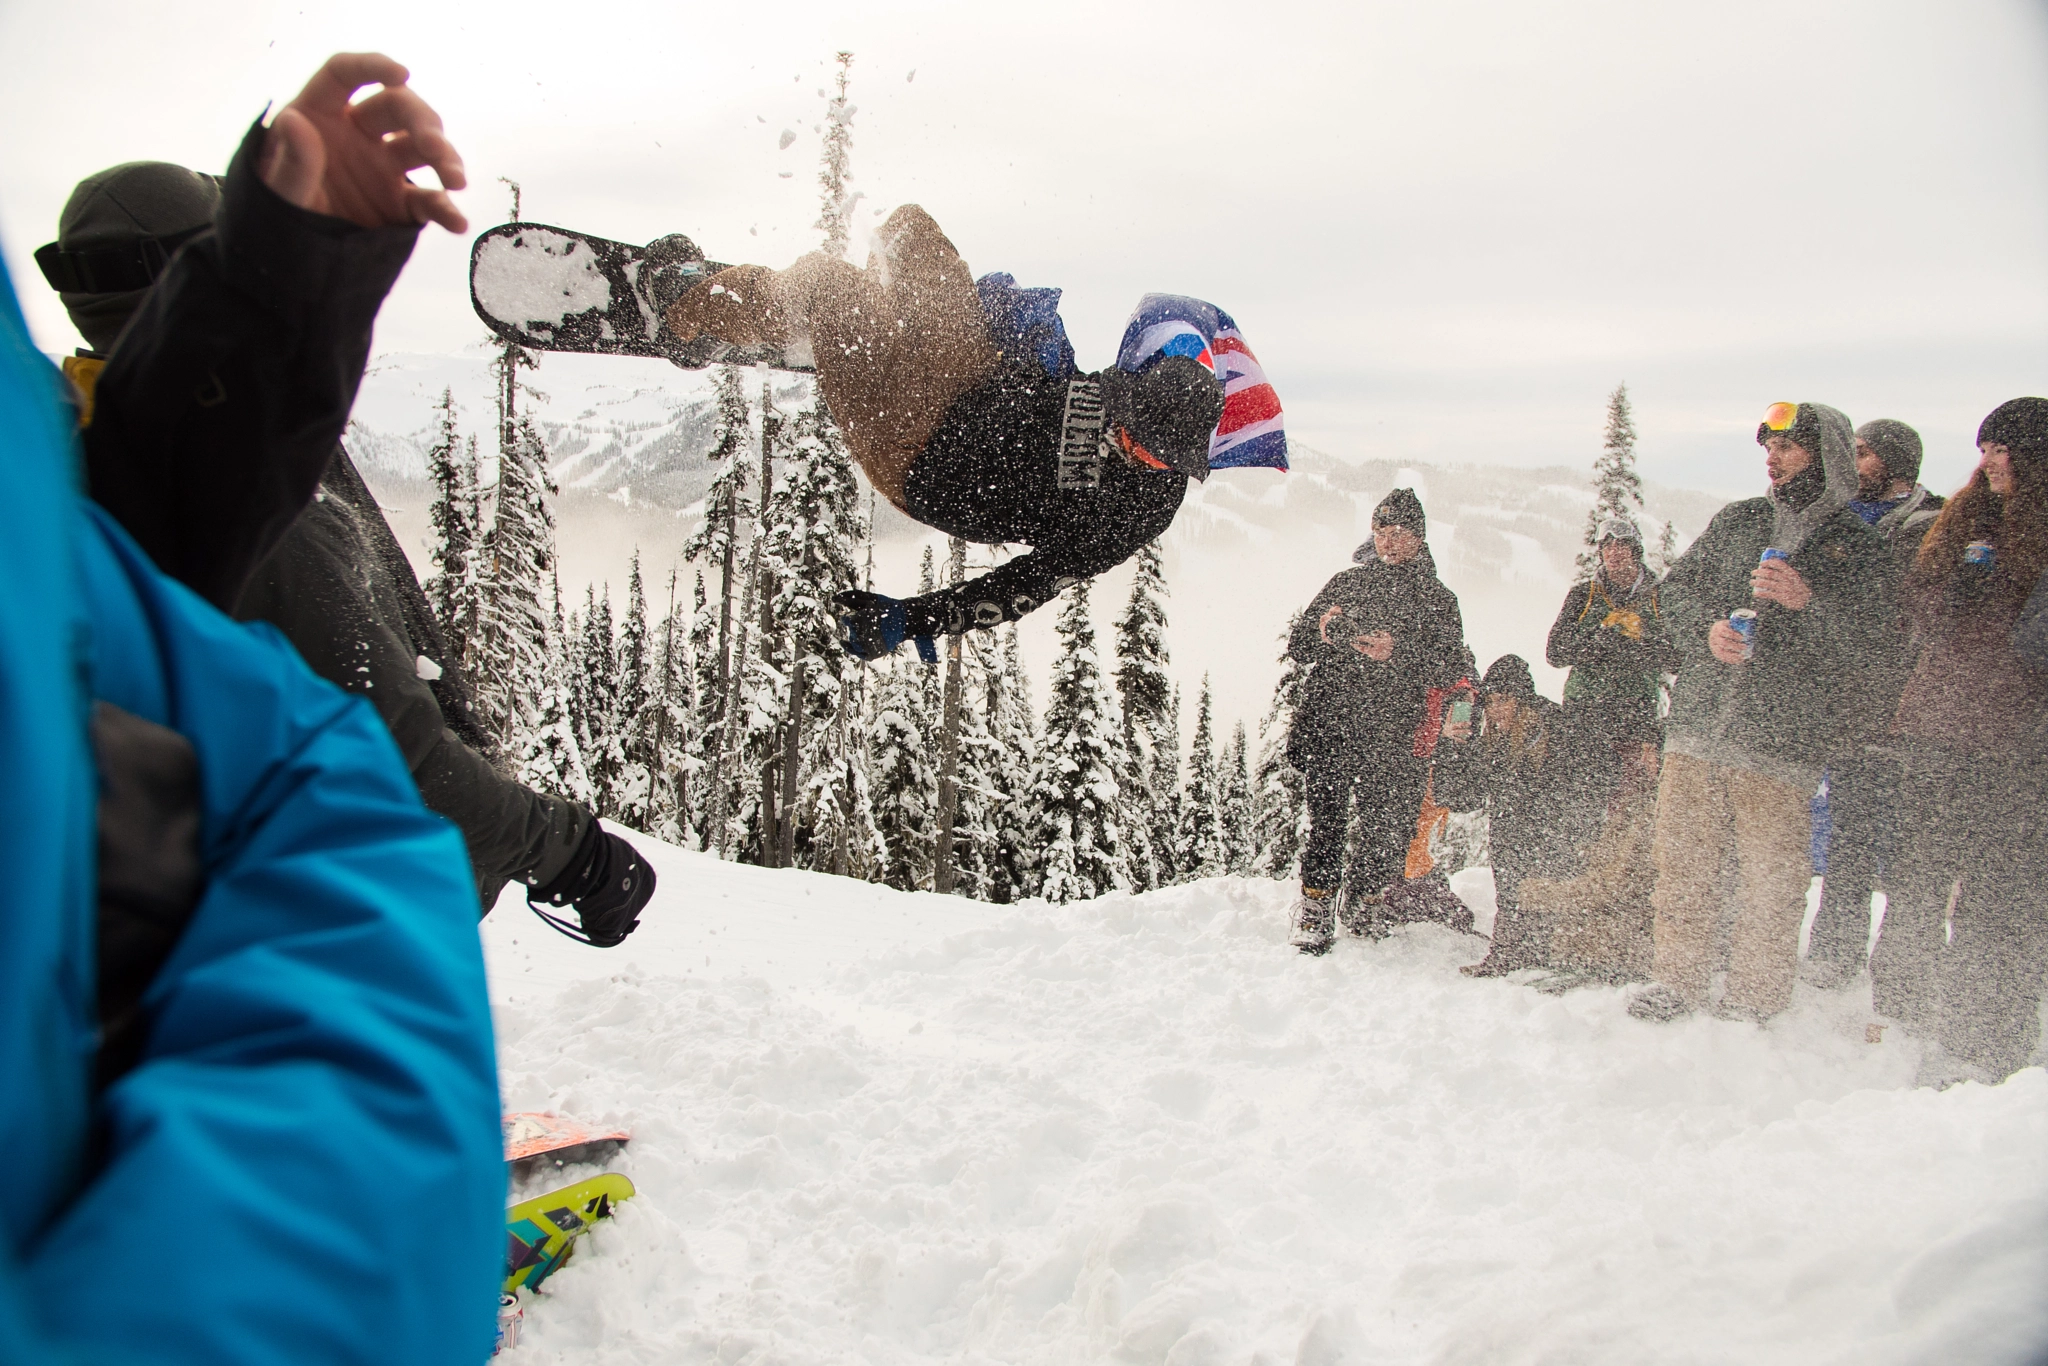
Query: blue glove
column 872, row 625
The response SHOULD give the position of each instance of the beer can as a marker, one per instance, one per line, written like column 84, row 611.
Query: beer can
column 1980, row 555
column 1772, row 552
column 511, row 1314
column 1743, row 620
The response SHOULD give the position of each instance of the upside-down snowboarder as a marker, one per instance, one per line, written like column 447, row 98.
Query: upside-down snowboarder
column 960, row 399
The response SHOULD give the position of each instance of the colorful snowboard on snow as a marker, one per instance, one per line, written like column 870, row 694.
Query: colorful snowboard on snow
column 537, row 1139
column 541, row 1233
column 552, row 289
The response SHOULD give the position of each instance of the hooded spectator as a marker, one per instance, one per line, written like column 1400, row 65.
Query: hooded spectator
column 1612, row 635
column 1863, row 784
column 1375, row 640
column 1964, row 943
column 1524, row 770
column 1755, row 720
column 336, row 582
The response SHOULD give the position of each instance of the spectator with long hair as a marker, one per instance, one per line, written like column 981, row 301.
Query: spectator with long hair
column 1964, row 943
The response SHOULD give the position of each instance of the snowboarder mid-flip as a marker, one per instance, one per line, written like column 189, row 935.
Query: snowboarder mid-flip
column 960, row 398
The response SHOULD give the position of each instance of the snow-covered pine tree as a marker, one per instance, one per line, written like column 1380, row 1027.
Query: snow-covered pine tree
column 604, row 756
column 1075, row 802
column 633, row 720
column 1166, row 796
column 1234, row 801
column 816, row 532
column 702, row 752
column 905, row 769
column 835, row 165
column 979, row 781
column 670, row 722
column 1199, row 849
column 715, row 544
column 518, row 556
column 552, row 760
column 456, row 516
column 1617, row 488
column 1666, row 553
column 1279, row 797
column 1146, row 693
column 1012, row 871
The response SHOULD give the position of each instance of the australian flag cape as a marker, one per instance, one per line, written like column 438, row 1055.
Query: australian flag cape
column 1026, row 324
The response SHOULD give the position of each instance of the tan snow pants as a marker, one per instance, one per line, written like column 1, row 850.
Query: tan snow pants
column 1705, row 813
column 894, row 344
column 1602, row 918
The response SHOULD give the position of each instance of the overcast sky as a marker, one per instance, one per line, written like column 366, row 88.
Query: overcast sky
column 1448, row 229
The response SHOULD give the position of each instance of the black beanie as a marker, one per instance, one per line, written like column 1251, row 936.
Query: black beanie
column 1508, row 675
column 1401, row 508
column 2020, row 423
column 1896, row 445
column 120, row 208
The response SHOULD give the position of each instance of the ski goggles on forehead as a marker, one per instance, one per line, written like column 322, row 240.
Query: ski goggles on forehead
column 1779, row 417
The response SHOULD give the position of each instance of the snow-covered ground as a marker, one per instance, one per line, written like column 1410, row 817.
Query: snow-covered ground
column 881, row 1128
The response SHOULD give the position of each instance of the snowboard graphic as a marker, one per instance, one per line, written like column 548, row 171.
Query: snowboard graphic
column 541, row 1233
column 552, row 289
column 535, row 1139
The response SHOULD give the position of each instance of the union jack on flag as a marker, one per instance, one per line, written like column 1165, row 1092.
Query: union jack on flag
column 1251, row 431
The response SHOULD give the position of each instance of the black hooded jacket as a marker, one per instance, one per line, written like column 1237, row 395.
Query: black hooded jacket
column 1352, row 700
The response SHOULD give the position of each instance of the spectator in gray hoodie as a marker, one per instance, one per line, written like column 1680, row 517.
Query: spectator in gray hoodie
column 1755, row 721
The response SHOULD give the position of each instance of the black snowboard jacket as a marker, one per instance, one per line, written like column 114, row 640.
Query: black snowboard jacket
column 1350, row 700
column 341, row 590
column 1616, row 643
column 990, row 474
column 1542, row 798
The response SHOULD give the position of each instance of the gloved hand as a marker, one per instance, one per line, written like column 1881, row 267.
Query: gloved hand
column 872, row 625
column 1170, row 410
column 607, row 882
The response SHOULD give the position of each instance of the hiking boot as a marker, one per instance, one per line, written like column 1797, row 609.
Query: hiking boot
column 1314, row 922
column 1657, row 1003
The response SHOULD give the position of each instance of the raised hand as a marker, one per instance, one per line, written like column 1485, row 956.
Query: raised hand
column 350, row 160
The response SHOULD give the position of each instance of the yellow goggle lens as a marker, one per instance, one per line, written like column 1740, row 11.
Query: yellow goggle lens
column 1780, row 416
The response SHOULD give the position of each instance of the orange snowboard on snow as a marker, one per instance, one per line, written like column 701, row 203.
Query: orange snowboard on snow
column 534, row 1138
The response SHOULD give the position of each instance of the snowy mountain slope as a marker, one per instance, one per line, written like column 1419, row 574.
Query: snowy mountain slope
column 898, row 1129
column 1248, row 548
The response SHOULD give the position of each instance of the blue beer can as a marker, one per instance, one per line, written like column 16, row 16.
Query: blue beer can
column 1743, row 621
column 1772, row 552
column 1980, row 555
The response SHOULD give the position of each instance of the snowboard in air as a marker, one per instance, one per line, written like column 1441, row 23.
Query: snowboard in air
column 541, row 1233
column 536, row 1139
column 552, row 289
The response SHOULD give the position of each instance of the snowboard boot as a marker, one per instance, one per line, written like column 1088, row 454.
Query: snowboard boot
column 1314, row 922
column 1658, row 1004
column 1363, row 917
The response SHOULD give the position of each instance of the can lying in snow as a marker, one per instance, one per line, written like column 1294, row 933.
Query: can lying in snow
column 1980, row 555
column 1743, row 621
column 510, row 1315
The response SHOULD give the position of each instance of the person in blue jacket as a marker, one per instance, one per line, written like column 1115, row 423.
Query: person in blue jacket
column 300, row 1158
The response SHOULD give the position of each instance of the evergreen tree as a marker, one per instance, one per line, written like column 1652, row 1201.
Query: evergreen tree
column 979, row 782
column 1666, row 553
column 518, row 556
column 552, row 760
column 1075, row 802
column 1166, row 796
column 670, row 727
column 1146, row 693
column 1012, row 868
column 1279, row 793
column 704, row 708
column 456, row 516
column 1617, row 488
column 632, row 712
column 1199, row 849
column 599, row 733
column 816, row 528
column 1234, row 800
column 716, row 543
column 905, row 767
column 835, row 166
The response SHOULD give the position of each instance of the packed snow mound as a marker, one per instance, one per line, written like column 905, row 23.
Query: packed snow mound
column 887, row 1128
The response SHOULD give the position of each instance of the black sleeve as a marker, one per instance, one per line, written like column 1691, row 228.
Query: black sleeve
column 225, row 395
column 1095, row 533
column 1458, row 780
column 1306, row 644
column 1567, row 646
column 312, row 592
